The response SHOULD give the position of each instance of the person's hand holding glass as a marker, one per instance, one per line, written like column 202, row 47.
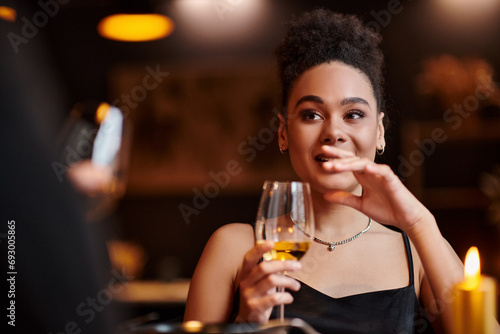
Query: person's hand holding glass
column 285, row 217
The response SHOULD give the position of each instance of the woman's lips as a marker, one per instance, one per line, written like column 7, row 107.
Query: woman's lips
column 322, row 158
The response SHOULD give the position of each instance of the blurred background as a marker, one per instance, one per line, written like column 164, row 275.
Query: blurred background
column 202, row 102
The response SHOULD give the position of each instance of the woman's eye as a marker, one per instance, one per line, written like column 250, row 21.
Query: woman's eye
column 310, row 115
column 355, row 114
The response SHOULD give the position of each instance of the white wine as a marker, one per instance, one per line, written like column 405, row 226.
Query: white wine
column 287, row 250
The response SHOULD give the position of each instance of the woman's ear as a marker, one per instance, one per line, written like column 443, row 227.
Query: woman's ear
column 381, row 132
column 282, row 134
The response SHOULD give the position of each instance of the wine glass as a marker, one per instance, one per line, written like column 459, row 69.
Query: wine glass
column 285, row 216
column 93, row 148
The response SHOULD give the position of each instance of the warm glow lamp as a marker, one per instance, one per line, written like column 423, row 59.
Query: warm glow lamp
column 8, row 13
column 135, row 27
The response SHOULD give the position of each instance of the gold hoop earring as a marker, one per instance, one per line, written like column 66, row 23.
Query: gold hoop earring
column 381, row 151
column 282, row 150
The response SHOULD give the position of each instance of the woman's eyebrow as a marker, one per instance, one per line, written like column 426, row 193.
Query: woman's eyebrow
column 312, row 98
column 346, row 101
column 353, row 100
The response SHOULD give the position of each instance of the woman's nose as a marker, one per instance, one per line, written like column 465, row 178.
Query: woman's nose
column 332, row 133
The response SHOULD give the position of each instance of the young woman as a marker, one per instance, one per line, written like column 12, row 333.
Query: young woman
column 397, row 276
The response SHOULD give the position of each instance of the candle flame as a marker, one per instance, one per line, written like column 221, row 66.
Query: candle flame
column 472, row 268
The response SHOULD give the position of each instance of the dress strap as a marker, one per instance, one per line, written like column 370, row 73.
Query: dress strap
column 410, row 258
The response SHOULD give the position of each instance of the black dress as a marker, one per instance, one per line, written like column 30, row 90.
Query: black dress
column 386, row 311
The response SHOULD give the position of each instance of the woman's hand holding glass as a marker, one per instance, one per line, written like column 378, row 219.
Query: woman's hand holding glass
column 259, row 283
column 283, row 231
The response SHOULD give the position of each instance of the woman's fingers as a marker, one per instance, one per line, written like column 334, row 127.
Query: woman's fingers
column 336, row 153
column 259, row 282
column 277, row 298
column 362, row 167
column 352, row 164
column 267, row 284
column 257, row 301
column 265, row 273
column 344, row 198
column 340, row 160
column 259, row 309
column 254, row 255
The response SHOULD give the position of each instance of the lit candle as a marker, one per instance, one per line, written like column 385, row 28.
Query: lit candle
column 474, row 303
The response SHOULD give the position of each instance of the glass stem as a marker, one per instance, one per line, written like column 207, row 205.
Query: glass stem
column 281, row 307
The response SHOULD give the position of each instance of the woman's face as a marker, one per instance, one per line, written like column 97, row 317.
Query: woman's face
column 331, row 104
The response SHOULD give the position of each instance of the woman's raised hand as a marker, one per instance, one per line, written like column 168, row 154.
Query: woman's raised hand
column 384, row 196
column 259, row 281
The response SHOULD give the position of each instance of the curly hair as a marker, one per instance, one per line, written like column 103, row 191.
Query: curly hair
column 322, row 36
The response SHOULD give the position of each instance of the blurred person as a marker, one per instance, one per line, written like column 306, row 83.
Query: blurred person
column 59, row 285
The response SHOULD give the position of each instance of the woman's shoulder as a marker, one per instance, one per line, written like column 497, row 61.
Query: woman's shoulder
column 388, row 229
column 387, row 233
column 236, row 227
column 234, row 239
column 215, row 276
column 396, row 235
column 394, row 232
column 235, row 232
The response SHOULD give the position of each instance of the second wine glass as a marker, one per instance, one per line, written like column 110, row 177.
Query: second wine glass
column 285, row 216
